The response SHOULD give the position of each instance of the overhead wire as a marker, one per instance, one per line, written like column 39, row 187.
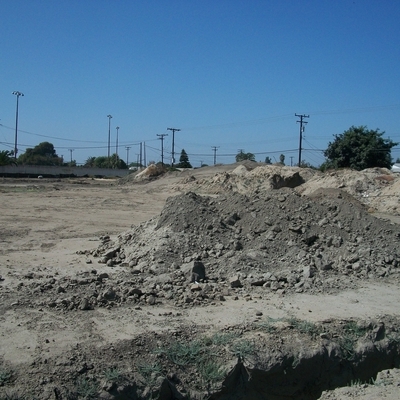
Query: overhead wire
column 221, row 126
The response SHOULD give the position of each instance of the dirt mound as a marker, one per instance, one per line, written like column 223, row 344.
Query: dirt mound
column 247, row 179
column 280, row 243
column 153, row 171
column 377, row 188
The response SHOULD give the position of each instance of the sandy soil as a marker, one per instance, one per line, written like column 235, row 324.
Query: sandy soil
column 44, row 224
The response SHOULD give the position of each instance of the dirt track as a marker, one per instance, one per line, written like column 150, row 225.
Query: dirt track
column 45, row 223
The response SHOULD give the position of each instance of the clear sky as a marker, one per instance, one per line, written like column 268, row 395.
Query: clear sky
column 228, row 73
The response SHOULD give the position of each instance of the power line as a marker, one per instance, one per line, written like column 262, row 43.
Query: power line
column 52, row 137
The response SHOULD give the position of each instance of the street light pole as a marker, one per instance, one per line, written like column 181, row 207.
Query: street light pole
column 109, row 133
column 16, row 93
column 116, row 143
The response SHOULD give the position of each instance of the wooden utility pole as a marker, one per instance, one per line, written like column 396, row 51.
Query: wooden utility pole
column 71, row 150
column 301, row 131
column 173, row 144
column 127, row 154
column 161, row 136
column 215, row 153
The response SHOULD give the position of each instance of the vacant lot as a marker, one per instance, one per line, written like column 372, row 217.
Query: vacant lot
column 101, row 298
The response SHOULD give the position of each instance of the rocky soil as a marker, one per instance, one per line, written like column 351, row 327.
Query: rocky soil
column 217, row 296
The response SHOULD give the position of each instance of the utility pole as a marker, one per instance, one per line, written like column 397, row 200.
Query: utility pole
column 301, row 131
column 161, row 136
column 71, row 150
column 215, row 153
column 144, row 154
column 127, row 154
column 140, row 152
column 173, row 144
column 16, row 93
column 291, row 161
column 116, row 143
column 109, row 133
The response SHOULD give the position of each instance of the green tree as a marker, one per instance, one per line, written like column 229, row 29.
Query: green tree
column 42, row 154
column 282, row 159
column 101, row 162
column 184, row 160
column 90, row 162
column 108, row 162
column 268, row 160
column 241, row 156
column 359, row 148
column 6, row 158
column 117, row 163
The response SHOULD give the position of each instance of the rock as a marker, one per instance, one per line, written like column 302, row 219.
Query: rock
column 378, row 332
column 258, row 282
column 109, row 294
column 308, row 271
column 136, row 271
column 237, row 245
column 235, row 282
column 356, row 266
column 296, row 228
column 84, row 304
column 195, row 287
column 110, row 253
column 199, row 270
column 133, row 263
column 151, row 300
column 195, row 270
column 133, row 291
column 188, row 300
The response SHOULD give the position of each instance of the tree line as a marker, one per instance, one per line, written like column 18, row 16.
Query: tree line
column 357, row 148
column 45, row 154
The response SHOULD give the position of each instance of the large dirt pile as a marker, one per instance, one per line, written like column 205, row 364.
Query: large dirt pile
column 201, row 248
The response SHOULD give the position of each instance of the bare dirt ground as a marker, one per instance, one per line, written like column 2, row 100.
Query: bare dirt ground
column 63, row 240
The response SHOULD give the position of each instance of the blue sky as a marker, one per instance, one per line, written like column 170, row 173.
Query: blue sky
column 228, row 73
